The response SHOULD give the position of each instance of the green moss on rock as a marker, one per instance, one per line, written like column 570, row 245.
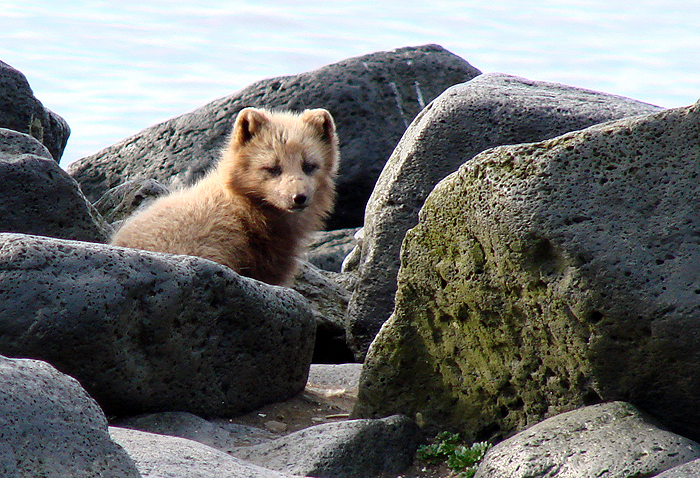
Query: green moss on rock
column 532, row 284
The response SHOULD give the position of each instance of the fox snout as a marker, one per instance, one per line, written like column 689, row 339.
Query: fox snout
column 300, row 201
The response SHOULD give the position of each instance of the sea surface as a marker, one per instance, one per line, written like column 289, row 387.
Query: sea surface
column 112, row 69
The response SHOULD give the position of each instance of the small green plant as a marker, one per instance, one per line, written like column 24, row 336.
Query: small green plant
column 449, row 448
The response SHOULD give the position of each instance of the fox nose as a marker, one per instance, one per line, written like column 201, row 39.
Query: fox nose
column 299, row 199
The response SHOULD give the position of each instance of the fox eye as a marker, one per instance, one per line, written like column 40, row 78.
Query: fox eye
column 309, row 168
column 273, row 170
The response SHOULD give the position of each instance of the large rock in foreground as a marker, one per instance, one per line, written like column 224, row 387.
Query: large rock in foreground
column 490, row 110
column 21, row 111
column 373, row 98
column 543, row 277
column 152, row 332
column 611, row 440
column 52, row 428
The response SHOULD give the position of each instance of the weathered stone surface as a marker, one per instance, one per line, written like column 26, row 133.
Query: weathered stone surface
column 328, row 249
column 488, row 111
column 152, row 332
column 345, row 375
column 21, row 111
column 217, row 433
column 612, row 440
column 161, row 456
column 687, row 470
column 372, row 98
column 15, row 143
column 546, row 276
column 38, row 197
column 329, row 302
column 52, row 428
column 120, row 202
column 352, row 449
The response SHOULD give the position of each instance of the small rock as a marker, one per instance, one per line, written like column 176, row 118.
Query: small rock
column 160, row 456
column 687, row 470
column 328, row 249
column 348, row 449
column 122, row 201
column 329, row 303
column 276, row 427
column 216, row 433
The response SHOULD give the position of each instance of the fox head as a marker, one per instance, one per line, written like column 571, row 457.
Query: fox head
column 284, row 161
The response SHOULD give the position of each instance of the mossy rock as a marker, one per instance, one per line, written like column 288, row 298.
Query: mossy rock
column 543, row 277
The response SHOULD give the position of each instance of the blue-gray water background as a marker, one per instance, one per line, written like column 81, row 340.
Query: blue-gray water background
column 112, row 69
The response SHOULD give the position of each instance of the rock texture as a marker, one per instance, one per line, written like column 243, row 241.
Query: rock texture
column 373, row 98
column 350, row 449
column 687, row 470
column 612, row 440
column 152, row 332
column 161, row 456
column 543, row 277
column 21, row 111
column 52, row 428
column 488, row 111
column 217, row 433
column 38, row 197
column 122, row 201
column 329, row 302
column 328, row 249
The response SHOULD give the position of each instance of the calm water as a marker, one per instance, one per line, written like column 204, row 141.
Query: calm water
column 113, row 68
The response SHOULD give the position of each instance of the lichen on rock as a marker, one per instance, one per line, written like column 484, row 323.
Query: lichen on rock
column 546, row 276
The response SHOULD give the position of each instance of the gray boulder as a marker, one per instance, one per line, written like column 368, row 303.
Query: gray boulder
column 21, row 111
column 122, row 201
column 161, row 456
column 612, row 440
column 216, row 433
column 328, row 249
column 373, row 98
column 329, row 302
column 38, row 197
column 349, row 449
column 687, row 470
column 52, row 428
column 490, row 110
column 152, row 332
column 543, row 277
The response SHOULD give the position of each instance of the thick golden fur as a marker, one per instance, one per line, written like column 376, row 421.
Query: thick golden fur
column 273, row 186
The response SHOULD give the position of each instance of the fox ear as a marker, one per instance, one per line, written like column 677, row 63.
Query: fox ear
column 322, row 121
column 248, row 123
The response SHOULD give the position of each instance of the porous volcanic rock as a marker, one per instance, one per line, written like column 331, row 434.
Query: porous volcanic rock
column 52, row 428
column 347, row 449
column 146, row 332
column 373, row 98
column 38, row 197
column 21, row 111
column 491, row 110
column 610, row 440
column 546, row 276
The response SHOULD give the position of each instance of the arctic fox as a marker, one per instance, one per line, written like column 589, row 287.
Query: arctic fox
column 273, row 186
